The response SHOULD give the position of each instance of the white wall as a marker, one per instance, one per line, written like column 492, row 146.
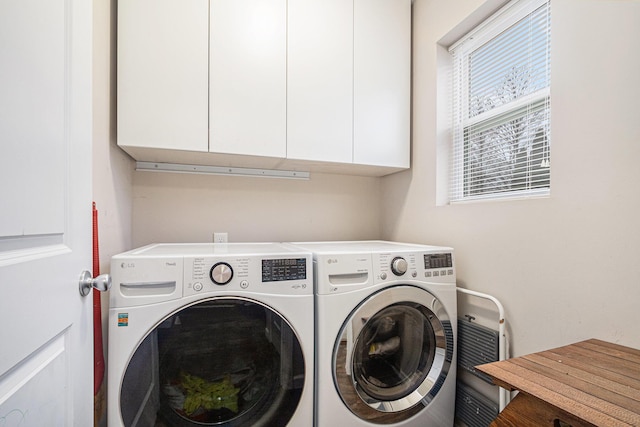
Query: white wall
column 112, row 167
column 190, row 208
column 565, row 267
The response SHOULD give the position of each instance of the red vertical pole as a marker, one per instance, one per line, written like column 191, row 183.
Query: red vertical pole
column 98, row 354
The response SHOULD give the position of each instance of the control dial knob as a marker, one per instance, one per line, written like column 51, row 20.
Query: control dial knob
column 399, row 266
column 221, row 273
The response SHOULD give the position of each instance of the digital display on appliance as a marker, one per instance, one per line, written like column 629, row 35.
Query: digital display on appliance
column 438, row 261
column 276, row 270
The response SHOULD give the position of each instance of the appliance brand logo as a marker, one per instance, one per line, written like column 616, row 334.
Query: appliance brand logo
column 332, row 261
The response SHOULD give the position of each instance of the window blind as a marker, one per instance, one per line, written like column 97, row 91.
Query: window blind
column 501, row 105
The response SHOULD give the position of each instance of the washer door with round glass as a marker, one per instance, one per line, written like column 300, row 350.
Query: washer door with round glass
column 220, row 362
column 393, row 354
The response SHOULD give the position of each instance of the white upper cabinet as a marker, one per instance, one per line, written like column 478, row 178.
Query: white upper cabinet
column 163, row 72
column 319, row 85
column 382, row 82
column 248, row 77
column 349, row 81
column 320, row 80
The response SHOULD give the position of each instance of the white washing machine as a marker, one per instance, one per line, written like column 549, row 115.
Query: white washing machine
column 385, row 334
column 211, row 335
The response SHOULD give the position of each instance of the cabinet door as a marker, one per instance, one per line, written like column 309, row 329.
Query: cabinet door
column 382, row 78
column 248, row 77
column 163, row 58
column 320, row 80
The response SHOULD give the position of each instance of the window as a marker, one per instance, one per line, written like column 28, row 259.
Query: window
column 501, row 105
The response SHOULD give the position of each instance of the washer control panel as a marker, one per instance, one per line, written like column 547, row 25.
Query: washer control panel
column 168, row 271
column 286, row 274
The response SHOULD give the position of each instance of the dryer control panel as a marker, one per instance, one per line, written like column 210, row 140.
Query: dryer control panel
column 443, row 260
column 347, row 266
column 434, row 267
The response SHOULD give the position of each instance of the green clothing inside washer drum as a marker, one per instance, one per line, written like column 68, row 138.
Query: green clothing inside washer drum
column 209, row 395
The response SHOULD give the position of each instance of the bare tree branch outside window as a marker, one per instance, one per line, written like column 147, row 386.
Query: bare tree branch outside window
column 507, row 152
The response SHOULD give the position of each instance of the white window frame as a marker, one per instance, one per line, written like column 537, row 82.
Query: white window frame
column 505, row 18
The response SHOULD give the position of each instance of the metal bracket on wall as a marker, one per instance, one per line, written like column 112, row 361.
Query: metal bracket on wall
column 220, row 170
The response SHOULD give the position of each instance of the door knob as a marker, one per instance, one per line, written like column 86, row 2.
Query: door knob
column 101, row 283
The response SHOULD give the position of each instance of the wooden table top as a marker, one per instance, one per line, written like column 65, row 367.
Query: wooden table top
column 596, row 381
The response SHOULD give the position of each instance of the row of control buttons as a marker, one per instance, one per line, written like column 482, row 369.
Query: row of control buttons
column 438, row 273
column 383, row 275
column 198, row 286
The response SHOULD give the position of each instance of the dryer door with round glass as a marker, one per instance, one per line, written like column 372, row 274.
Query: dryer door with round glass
column 221, row 362
column 393, row 354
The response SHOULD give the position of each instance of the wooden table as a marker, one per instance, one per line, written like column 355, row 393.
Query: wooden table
column 590, row 383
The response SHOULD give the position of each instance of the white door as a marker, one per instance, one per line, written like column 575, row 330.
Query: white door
column 46, row 368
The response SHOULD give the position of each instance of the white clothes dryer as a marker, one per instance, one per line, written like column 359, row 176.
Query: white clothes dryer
column 211, row 335
column 385, row 334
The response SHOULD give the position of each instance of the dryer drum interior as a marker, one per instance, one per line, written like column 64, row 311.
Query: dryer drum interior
column 220, row 362
column 393, row 354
